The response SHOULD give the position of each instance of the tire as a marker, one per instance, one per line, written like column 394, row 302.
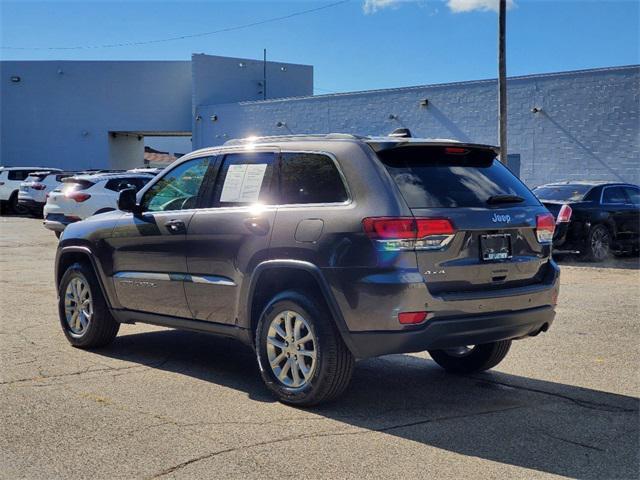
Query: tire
column 15, row 207
column 101, row 328
column 598, row 244
column 37, row 212
column 476, row 359
column 331, row 373
column 57, row 234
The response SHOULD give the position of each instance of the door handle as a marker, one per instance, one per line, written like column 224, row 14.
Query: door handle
column 257, row 225
column 176, row 226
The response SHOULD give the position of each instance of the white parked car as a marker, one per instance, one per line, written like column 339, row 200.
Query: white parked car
column 10, row 180
column 82, row 196
column 37, row 186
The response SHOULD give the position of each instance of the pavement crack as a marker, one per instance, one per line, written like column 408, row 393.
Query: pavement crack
column 88, row 370
column 582, row 403
column 71, row 374
column 359, row 431
column 573, row 442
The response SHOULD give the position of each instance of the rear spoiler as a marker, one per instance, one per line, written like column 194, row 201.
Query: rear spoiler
column 398, row 154
column 80, row 181
column 379, row 146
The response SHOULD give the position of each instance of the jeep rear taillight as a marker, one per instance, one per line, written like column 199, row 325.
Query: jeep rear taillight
column 565, row 214
column 38, row 186
column 409, row 233
column 545, row 225
column 77, row 196
column 412, row 318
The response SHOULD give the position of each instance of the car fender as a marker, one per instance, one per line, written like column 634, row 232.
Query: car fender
column 97, row 268
column 316, row 273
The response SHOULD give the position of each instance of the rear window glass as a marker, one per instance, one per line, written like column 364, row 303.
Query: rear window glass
column 432, row 177
column 310, row 178
column 614, row 195
column 72, row 184
column 634, row 194
column 562, row 193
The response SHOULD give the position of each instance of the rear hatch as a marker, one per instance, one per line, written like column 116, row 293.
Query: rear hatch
column 486, row 238
column 64, row 199
column 33, row 188
column 33, row 182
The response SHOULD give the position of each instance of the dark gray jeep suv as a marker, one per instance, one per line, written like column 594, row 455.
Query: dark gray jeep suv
column 317, row 250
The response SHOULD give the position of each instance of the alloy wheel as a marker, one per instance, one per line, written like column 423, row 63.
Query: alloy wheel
column 291, row 349
column 78, row 305
column 600, row 244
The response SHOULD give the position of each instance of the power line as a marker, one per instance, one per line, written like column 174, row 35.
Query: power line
column 183, row 37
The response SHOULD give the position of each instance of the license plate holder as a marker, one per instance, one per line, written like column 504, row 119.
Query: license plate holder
column 495, row 246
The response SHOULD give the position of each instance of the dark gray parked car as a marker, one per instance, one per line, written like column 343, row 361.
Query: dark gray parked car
column 318, row 250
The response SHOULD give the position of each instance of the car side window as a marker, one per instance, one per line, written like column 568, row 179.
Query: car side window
column 634, row 194
column 614, row 195
column 310, row 178
column 18, row 174
column 179, row 188
column 244, row 179
column 118, row 184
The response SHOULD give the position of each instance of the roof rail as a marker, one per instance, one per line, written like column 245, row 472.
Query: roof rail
column 291, row 138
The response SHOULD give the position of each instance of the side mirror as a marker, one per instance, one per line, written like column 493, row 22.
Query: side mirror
column 127, row 200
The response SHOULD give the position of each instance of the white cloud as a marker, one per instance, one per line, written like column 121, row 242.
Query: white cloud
column 461, row 6
column 372, row 6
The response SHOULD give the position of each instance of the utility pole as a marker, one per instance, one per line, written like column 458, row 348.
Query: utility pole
column 502, row 81
column 264, row 75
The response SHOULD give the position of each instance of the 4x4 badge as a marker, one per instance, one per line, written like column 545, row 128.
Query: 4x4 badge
column 501, row 218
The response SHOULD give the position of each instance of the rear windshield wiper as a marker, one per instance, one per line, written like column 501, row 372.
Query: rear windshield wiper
column 505, row 198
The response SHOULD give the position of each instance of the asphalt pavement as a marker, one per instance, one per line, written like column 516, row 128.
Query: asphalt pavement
column 160, row 403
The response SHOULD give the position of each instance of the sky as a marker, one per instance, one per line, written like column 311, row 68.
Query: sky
column 353, row 45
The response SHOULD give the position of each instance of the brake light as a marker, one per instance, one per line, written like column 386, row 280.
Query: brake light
column 565, row 214
column 38, row 186
column 388, row 227
column 545, row 225
column 434, row 226
column 77, row 196
column 408, row 233
column 412, row 318
column 455, row 150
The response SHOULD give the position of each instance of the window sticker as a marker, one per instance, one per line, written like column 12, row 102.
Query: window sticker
column 243, row 183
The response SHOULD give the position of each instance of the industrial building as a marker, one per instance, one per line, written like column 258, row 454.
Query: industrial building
column 568, row 125
column 86, row 114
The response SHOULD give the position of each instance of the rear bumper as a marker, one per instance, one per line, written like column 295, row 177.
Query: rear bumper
column 570, row 237
column 58, row 222
column 30, row 203
column 455, row 332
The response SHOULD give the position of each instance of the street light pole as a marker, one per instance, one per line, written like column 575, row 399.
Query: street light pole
column 502, row 81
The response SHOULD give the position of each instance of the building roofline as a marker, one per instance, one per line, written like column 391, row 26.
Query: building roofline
column 190, row 60
column 259, row 60
column 448, row 84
